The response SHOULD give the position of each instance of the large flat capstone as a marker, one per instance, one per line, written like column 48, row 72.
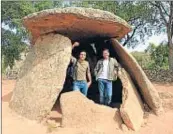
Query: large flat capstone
column 42, row 76
column 76, row 23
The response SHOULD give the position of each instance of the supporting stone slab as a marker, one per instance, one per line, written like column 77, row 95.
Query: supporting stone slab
column 138, row 76
column 131, row 109
column 42, row 76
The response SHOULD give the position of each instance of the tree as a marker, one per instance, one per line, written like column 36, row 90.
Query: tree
column 11, row 47
column 14, row 35
column 158, row 54
column 165, row 11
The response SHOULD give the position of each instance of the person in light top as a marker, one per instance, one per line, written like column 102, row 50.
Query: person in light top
column 106, row 71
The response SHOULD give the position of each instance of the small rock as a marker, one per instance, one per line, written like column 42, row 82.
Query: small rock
column 124, row 128
column 166, row 95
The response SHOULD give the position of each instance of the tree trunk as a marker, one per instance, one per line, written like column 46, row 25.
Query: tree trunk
column 170, row 36
column 170, row 43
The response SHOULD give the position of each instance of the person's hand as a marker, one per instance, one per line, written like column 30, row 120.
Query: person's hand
column 76, row 44
column 89, row 84
column 119, row 73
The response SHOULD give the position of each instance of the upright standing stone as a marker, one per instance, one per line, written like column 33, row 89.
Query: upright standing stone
column 42, row 76
column 131, row 109
column 139, row 78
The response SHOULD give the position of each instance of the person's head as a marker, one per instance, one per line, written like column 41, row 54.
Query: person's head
column 106, row 53
column 82, row 55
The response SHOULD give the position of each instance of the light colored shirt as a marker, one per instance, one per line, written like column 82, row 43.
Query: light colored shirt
column 113, row 69
column 104, row 73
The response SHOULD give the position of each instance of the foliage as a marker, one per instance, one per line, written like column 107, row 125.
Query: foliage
column 13, row 33
column 164, row 12
column 11, row 47
column 159, row 56
column 143, row 59
column 146, row 18
column 137, row 14
column 154, row 57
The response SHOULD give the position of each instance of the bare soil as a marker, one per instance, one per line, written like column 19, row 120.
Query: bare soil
column 15, row 124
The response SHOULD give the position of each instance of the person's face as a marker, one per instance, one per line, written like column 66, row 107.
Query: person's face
column 82, row 55
column 105, row 54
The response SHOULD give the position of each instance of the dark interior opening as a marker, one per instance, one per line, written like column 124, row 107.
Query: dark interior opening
column 94, row 49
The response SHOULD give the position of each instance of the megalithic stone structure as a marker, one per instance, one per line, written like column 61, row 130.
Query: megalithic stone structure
column 43, row 74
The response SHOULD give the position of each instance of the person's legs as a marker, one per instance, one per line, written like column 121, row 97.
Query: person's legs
column 76, row 86
column 108, row 92
column 101, row 91
column 84, row 87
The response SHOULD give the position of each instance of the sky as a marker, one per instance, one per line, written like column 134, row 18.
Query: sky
column 156, row 39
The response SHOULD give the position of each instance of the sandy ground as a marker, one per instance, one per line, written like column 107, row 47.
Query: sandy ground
column 15, row 124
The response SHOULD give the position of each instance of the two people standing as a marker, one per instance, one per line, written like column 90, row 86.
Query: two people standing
column 105, row 72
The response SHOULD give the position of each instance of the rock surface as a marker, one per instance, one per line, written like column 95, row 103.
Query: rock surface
column 166, row 95
column 42, row 76
column 138, row 76
column 167, row 100
column 80, row 112
column 76, row 23
column 131, row 110
column 167, row 104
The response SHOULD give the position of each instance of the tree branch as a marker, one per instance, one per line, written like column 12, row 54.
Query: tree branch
column 163, row 9
column 130, row 37
column 133, row 19
column 158, row 6
column 161, row 13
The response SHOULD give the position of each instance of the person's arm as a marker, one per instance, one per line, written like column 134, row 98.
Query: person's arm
column 96, row 69
column 75, row 44
column 89, row 76
column 73, row 59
